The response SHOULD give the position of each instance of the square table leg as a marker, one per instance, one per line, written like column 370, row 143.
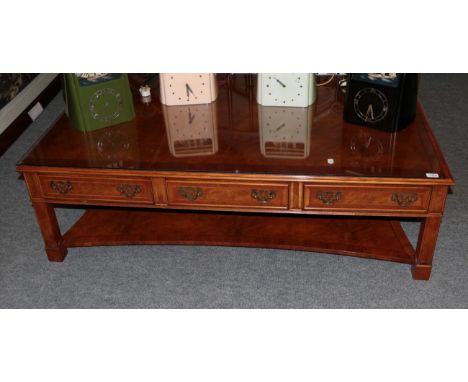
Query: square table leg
column 421, row 270
column 50, row 230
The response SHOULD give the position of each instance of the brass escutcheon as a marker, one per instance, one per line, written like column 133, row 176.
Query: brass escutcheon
column 328, row 197
column 404, row 199
column 263, row 196
column 129, row 190
column 190, row 193
column 60, row 186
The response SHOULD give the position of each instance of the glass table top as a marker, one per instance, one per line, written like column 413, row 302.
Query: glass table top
column 236, row 135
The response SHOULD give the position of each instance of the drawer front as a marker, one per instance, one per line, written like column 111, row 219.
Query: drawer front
column 361, row 198
column 83, row 188
column 227, row 194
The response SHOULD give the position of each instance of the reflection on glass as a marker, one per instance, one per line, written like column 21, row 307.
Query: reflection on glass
column 113, row 147
column 242, row 84
column 192, row 130
column 241, row 101
column 285, row 131
column 372, row 151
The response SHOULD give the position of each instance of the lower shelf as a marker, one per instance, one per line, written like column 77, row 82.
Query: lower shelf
column 375, row 238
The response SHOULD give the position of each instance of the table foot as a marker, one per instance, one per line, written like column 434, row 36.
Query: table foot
column 56, row 254
column 421, row 272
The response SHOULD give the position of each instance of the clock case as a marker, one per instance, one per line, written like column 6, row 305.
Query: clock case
column 78, row 98
column 401, row 101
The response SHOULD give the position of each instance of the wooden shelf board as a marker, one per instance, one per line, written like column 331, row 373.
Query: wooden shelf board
column 376, row 238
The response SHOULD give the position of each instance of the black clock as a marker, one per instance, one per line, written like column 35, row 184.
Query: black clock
column 385, row 101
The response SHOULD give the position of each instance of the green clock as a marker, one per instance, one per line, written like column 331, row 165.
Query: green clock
column 97, row 100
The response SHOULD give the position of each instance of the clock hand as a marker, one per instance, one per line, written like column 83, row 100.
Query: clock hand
column 188, row 89
column 279, row 127
column 190, row 118
column 282, row 84
column 369, row 113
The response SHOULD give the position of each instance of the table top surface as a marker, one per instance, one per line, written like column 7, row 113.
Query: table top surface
column 236, row 135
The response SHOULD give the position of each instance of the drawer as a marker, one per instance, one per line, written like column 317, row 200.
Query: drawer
column 227, row 194
column 107, row 189
column 331, row 197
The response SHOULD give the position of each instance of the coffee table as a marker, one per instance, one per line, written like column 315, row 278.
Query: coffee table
column 234, row 173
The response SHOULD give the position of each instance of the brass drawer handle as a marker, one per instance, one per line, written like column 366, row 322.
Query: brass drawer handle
column 129, row 190
column 263, row 196
column 60, row 186
column 404, row 199
column 328, row 197
column 190, row 193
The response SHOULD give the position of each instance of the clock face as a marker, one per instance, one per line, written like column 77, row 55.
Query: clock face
column 370, row 105
column 285, row 89
column 285, row 131
column 105, row 104
column 188, row 88
column 191, row 129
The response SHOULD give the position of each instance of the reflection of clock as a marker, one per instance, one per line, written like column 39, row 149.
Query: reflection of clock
column 192, row 129
column 371, row 151
column 286, row 89
column 105, row 104
column 371, row 105
column 187, row 88
column 113, row 147
column 366, row 145
column 384, row 101
column 285, row 131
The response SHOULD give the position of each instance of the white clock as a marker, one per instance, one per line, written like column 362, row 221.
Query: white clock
column 191, row 130
column 286, row 89
column 285, row 131
column 187, row 88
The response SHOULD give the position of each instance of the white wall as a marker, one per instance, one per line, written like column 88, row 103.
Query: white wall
column 17, row 105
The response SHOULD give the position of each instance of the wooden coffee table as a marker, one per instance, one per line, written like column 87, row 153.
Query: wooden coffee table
column 237, row 174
